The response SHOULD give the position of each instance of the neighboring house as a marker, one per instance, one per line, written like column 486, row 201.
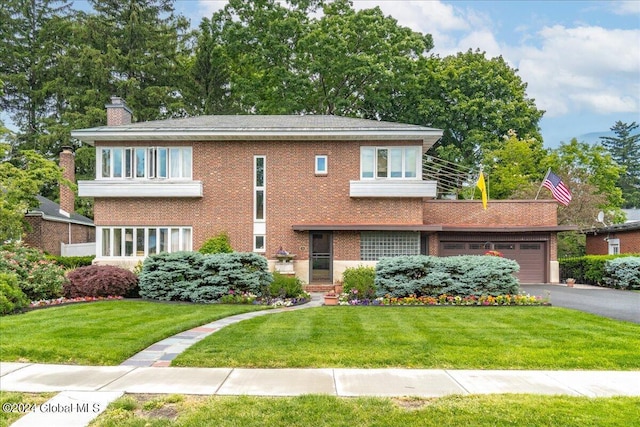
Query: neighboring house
column 55, row 228
column 335, row 191
column 58, row 232
column 614, row 239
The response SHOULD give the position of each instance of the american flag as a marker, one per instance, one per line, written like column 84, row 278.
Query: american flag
column 559, row 191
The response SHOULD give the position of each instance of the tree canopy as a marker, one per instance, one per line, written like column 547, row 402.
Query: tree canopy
column 625, row 150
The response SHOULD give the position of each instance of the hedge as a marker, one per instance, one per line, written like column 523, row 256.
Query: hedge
column 465, row 275
column 589, row 269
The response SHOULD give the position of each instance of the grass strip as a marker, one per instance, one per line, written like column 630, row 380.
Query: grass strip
column 315, row 410
column 423, row 337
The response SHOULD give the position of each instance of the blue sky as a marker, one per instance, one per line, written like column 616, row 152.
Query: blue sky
column 580, row 59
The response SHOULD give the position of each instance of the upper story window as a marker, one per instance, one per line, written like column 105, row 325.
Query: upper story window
column 390, row 162
column 321, row 165
column 145, row 162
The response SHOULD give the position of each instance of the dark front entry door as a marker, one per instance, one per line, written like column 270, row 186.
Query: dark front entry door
column 321, row 246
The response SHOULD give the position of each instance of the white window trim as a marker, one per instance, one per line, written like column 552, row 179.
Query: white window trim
column 262, row 188
column 150, row 163
column 326, row 164
column 183, row 245
column 418, row 165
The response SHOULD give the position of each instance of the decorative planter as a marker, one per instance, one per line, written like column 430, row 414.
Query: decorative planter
column 571, row 282
column 331, row 300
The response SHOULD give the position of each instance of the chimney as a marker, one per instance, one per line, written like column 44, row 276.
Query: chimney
column 67, row 195
column 117, row 112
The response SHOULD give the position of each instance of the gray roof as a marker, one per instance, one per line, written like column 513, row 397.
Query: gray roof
column 628, row 226
column 50, row 210
column 263, row 127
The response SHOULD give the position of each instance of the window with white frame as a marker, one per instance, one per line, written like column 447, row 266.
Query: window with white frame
column 143, row 241
column 259, row 202
column 145, row 162
column 321, row 167
column 390, row 162
column 378, row 244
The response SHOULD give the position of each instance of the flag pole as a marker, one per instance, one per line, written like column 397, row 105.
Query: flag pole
column 545, row 178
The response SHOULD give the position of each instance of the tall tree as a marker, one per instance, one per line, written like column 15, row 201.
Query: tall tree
column 140, row 44
column 625, row 150
column 33, row 38
column 592, row 176
column 476, row 101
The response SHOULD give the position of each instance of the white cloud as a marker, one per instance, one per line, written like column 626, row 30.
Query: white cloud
column 631, row 7
column 589, row 69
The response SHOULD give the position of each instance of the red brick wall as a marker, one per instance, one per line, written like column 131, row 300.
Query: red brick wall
column 498, row 212
column 294, row 195
column 67, row 196
column 47, row 235
column 629, row 242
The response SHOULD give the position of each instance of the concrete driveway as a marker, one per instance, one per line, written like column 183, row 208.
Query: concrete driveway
column 613, row 303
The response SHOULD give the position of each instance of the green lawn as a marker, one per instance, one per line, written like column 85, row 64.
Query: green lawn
column 485, row 410
column 423, row 337
column 100, row 333
column 21, row 402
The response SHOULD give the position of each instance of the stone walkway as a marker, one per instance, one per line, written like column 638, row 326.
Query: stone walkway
column 163, row 352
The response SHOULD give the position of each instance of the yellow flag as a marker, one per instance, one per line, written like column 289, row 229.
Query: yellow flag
column 483, row 189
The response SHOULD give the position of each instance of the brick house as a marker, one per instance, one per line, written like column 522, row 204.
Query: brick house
column 614, row 239
column 334, row 191
column 54, row 226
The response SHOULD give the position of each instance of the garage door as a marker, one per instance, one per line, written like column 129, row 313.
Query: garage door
column 530, row 255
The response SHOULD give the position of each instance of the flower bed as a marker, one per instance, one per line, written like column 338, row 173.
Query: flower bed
column 61, row 301
column 250, row 298
column 447, row 300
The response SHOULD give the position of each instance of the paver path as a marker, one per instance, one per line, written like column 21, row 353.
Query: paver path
column 163, row 352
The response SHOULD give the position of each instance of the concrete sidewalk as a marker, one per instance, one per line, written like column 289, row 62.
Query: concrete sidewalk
column 87, row 390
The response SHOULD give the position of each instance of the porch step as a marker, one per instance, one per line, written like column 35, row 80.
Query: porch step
column 318, row 287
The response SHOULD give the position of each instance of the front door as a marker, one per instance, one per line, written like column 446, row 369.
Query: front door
column 321, row 246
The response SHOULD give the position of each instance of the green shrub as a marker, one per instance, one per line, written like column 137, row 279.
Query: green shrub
column 285, row 286
column 170, row 276
column 589, row 269
column 623, row 273
column 101, row 281
column 219, row 244
column 433, row 276
column 360, row 279
column 38, row 278
column 240, row 272
column 192, row 276
column 12, row 299
column 72, row 262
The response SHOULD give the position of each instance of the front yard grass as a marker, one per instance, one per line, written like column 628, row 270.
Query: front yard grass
column 423, row 337
column 100, row 333
column 314, row 410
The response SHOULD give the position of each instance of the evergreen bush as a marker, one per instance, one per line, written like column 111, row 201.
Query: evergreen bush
column 101, row 281
column 623, row 273
column 12, row 299
column 171, row 276
column 361, row 279
column 219, row 244
column 465, row 275
column 38, row 278
column 240, row 272
column 285, row 286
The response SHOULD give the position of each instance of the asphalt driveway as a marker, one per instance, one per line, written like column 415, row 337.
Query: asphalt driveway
column 613, row 303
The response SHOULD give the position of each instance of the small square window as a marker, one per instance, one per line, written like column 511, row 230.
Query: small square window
column 321, row 165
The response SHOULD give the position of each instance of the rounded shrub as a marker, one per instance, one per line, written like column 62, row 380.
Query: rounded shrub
column 219, row 244
column 100, row 281
column 38, row 278
column 623, row 273
column 12, row 299
column 285, row 286
column 171, row 276
column 360, row 279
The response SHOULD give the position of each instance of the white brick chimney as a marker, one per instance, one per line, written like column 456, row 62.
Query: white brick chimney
column 117, row 112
